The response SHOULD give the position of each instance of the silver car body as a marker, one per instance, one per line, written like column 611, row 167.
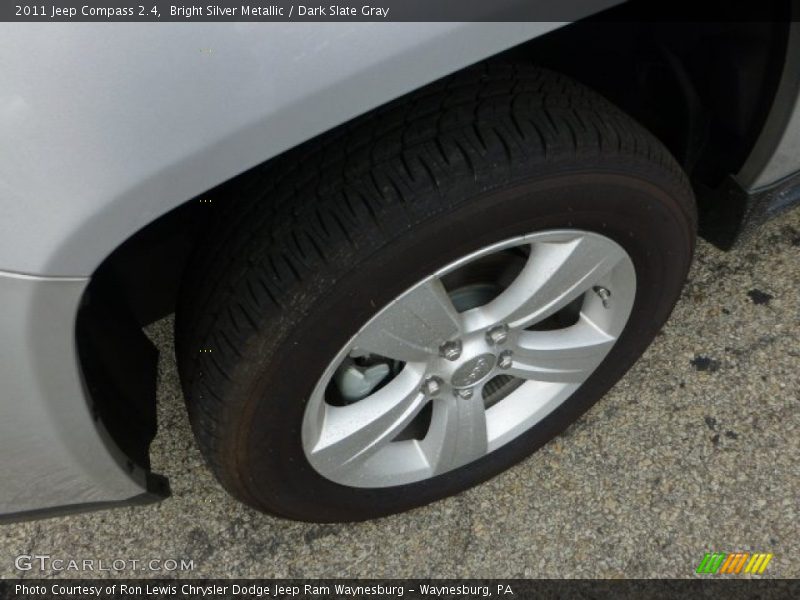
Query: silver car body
column 106, row 127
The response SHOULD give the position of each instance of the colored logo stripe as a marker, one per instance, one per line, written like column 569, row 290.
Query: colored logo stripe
column 711, row 562
column 734, row 563
column 758, row 563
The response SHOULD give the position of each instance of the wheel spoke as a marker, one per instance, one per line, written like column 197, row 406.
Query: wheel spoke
column 567, row 355
column 413, row 327
column 457, row 434
column 351, row 434
column 555, row 274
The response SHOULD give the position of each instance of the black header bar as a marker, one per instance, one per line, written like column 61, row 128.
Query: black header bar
column 392, row 10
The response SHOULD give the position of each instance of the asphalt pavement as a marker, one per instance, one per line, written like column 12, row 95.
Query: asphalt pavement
column 697, row 449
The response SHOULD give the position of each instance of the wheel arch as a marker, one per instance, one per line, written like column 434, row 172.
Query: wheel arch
column 160, row 245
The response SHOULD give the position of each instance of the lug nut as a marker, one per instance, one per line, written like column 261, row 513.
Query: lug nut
column 432, row 386
column 505, row 359
column 466, row 393
column 450, row 350
column 497, row 334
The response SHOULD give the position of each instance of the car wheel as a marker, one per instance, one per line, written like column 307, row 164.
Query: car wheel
column 417, row 301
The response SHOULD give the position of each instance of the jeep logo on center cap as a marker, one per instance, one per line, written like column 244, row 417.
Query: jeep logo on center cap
column 473, row 371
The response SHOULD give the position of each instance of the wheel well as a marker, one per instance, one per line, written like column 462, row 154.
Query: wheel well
column 703, row 88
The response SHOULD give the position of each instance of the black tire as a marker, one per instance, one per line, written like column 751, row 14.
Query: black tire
column 308, row 247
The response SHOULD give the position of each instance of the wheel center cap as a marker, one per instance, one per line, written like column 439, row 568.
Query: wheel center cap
column 473, row 371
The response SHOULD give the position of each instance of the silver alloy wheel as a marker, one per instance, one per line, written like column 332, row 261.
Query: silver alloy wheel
column 450, row 361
